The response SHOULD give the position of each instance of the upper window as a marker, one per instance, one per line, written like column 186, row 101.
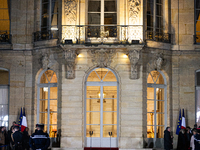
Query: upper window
column 49, row 16
column 156, row 105
column 47, row 102
column 155, row 20
column 4, row 20
column 102, row 12
column 197, row 21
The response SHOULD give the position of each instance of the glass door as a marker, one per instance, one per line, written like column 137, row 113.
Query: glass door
column 101, row 111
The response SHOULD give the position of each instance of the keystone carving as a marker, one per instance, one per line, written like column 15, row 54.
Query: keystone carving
column 47, row 60
column 158, row 62
column 70, row 9
column 70, row 57
column 134, row 56
column 102, row 57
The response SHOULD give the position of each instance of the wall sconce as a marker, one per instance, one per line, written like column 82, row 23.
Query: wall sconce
column 125, row 56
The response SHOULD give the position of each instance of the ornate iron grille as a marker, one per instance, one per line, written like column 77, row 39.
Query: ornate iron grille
column 5, row 37
column 45, row 35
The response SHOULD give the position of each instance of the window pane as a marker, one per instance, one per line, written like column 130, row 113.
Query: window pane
column 110, row 105
column 95, row 129
column 53, row 105
column 53, row 131
column 160, row 106
column 159, row 10
column 94, row 6
column 109, row 128
column 3, row 96
column 43, row 105
column 93, row 92
column 150, row 119
column 53, row 118
column 94, row 18
column 110, row 92
column 44, row 93
column 160, row 119
column 53, row 93
column 198, row 106
column 198, row 78
column 45, row 8
column 150, row 106
column 149, row 21
column 45, row 129
column 150, row 131
column 110, row 76
column 4, row 112
column 4, row 77
column 110, row 18
column 93, row 118
column 93, row 77
column 110, row 6
column 102, row 72
column 160, row 94
column 160, row 131
column 150, row 93
column 43, row 118
column 109, row 117
column 150, row 7
column 93, row 105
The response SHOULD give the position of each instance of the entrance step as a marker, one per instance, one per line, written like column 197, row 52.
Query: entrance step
column 101, row 148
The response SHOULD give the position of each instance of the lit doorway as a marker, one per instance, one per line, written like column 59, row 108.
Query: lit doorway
column 101, row 109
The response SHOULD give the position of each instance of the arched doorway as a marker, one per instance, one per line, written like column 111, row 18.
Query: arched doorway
column 101, row 108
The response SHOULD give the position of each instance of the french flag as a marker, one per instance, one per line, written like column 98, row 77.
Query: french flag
column 183, row 126
column 24, row 122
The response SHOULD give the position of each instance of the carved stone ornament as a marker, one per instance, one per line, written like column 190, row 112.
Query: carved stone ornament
column 70, row 9
column 47, row 60
column 102, row 57
column 158, row 62
column 134, row 56
column 134, row 9
column 70, row 57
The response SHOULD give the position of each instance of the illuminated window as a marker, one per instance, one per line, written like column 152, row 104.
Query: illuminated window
column 49, row 16
column 156, row 105
column 101, row 108
column 198, row 97
column 102, row 12
column 155, row 19
column 197, row 21
column 4, row 20
column 4, row 87
column 47, row 102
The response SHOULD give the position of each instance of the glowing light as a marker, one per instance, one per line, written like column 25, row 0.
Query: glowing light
column 45, row 89
column 80, row 55
column 125, row 56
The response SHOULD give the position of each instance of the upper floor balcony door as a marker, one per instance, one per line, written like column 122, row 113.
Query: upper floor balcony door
column 102, row 19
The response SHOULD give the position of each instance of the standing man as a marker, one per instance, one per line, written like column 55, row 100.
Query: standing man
column 17, row 138
column 39, row 140
column 167, row 139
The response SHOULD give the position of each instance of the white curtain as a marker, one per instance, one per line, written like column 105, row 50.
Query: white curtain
column 4, row 106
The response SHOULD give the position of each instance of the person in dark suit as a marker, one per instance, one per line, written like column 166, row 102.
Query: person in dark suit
column 167, row 139
column 17, row 138
column 39, row 140
column 182, row 140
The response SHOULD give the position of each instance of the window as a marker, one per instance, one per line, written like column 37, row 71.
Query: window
column 156, row 105
column 47, row 102
column 197, row 21
column 49, row 16
column 102, row 12
column 198, row 97
column 155, row 20
column 4, row 20
column 4, row 87
column 101, row 108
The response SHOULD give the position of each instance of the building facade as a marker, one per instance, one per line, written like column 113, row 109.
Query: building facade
column 100, row 73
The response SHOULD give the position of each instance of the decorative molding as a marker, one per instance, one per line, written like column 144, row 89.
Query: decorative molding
column 71, row 9
column 158, row 61
column 134, row 9
column 47, row 60
column 70, row 57
column 134, row 56
column 102, row 57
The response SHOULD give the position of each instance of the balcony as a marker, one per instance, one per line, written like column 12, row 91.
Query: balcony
column 158, row 37
column 45, row 35
column 5, row 37
column 102, row 34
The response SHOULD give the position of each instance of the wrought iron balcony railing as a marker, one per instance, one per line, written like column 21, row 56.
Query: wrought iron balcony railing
column 45, row 35
column 159, row 37
column 102, row 34
column 5, row 37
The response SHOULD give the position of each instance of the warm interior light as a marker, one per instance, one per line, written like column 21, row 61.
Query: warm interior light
column 125, row 56
column 45, row 89
column 79, row 55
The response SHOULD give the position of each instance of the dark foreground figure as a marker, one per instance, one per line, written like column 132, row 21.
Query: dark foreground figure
column 167, row 139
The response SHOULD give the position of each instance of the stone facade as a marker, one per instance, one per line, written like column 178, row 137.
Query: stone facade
column 178, row 61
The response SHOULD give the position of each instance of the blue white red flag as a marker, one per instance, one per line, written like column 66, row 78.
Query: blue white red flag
column 183, row 125
column 24, row 122
column 20, row 120
column 179, row 123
